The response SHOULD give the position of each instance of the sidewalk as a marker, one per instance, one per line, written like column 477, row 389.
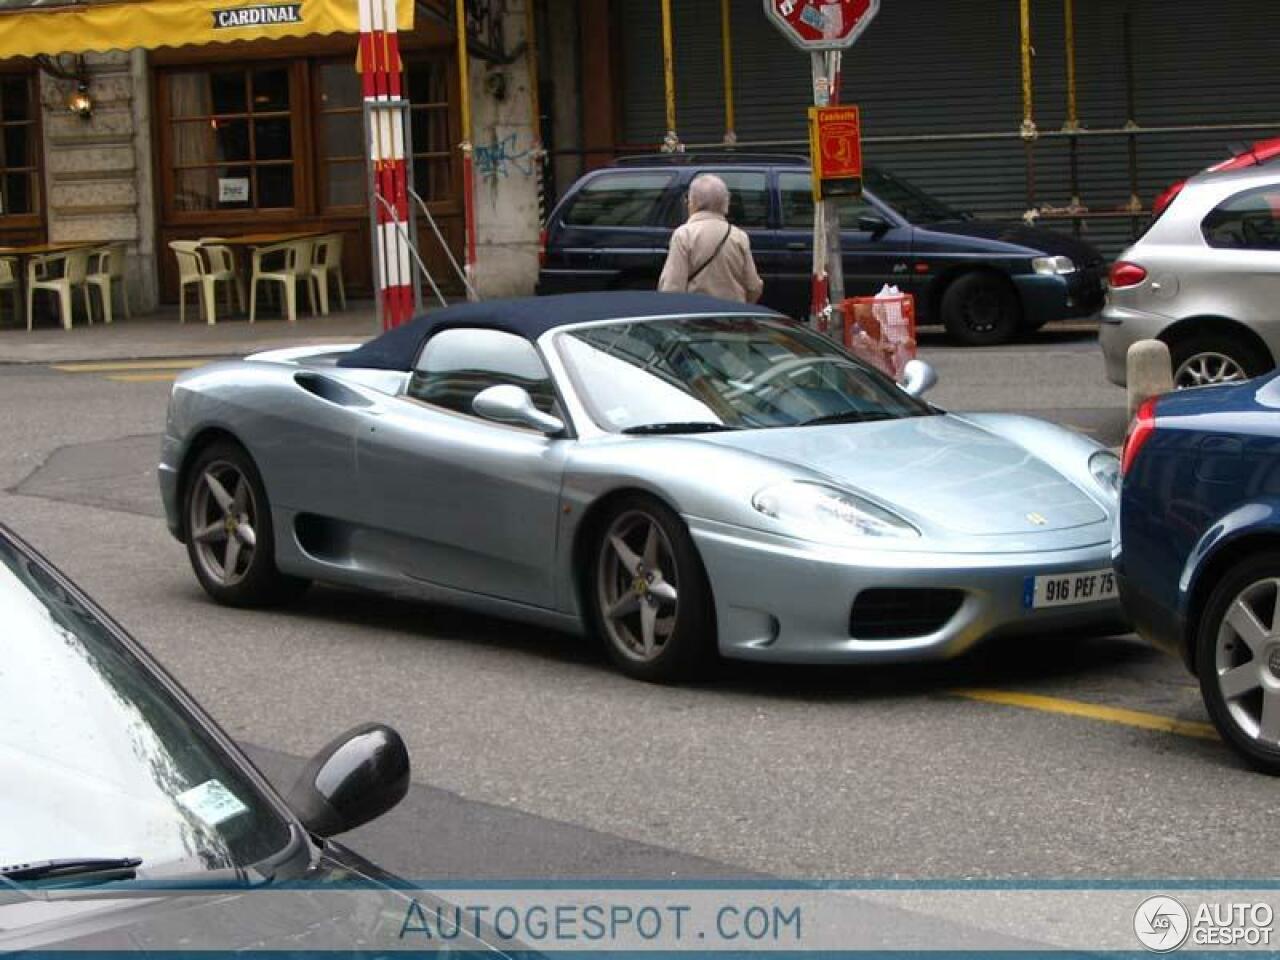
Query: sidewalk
column 159, row 335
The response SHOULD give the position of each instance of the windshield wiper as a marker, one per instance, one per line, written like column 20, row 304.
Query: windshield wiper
column 78, row 871
column 697, row 426
column 849, row 416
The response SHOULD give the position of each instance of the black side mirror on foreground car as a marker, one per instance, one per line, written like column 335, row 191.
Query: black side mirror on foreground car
column 355, row 778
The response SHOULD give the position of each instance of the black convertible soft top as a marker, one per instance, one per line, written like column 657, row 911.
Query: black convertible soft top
column 531, row 317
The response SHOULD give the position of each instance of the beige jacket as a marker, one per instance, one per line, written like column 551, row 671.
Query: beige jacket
column 731, row 275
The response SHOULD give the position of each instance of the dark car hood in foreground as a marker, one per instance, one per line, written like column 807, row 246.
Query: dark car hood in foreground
column 954, row 475
column 312, row 913
column 1049, row 242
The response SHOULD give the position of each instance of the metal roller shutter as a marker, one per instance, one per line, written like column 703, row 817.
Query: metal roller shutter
column 938, row 67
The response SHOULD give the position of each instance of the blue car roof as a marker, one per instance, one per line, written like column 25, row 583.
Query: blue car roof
column 531, row 317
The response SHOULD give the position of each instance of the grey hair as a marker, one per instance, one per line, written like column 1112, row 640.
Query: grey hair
column 708, row 192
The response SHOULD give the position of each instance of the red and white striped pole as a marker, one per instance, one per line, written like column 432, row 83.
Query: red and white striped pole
column 380, row 72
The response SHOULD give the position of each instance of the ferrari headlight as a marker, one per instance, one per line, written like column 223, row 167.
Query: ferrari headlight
column 819, row 511
column 1053, row 266
column 1105, row 467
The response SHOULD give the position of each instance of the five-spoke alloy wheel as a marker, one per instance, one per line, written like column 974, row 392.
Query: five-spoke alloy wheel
column 227, row 526
column 1238, row 659
column 649, row 592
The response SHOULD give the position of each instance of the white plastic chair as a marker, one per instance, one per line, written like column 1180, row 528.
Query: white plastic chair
column 42, row 274
column 9, row 284
column 294, row 259
column 326, row 264
column 192, row 271
column 222, row 266
column 106, row 270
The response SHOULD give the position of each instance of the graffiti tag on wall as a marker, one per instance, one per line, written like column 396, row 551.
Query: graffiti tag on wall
column 497, row 159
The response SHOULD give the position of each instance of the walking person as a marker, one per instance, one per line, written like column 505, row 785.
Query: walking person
column 708, row 254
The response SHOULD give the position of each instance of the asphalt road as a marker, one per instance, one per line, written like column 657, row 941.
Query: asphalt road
column 534, row 760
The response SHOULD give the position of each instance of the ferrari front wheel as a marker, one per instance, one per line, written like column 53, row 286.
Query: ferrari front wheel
column 649, row 594
column 228, row 531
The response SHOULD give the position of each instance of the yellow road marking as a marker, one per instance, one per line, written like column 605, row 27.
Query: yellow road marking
column 1092, row 711
column 144, row 377
column 117, row 366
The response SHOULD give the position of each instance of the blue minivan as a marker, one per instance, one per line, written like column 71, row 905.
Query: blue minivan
column 1198, row 557
column 987, row 282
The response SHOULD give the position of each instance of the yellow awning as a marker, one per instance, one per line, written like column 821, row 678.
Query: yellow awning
column 124, row 25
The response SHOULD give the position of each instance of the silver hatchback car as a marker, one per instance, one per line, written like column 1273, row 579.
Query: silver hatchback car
column 1205, row 279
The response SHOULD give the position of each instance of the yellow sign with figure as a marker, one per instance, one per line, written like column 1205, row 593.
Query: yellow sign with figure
column 835, row 146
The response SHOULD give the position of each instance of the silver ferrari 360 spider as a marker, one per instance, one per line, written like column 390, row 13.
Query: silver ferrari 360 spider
column 675, row 474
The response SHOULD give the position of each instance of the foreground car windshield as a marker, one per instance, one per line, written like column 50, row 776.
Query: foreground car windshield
column 693, row 374
column 100, row 760
column 908, row 199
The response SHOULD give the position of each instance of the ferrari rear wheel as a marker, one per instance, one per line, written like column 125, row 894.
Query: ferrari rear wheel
column 1238, row 660
column 649, row 593
column 228, row 530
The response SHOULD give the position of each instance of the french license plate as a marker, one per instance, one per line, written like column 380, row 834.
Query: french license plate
column 1069, row 589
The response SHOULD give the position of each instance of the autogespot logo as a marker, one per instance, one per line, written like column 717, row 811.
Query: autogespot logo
column 1162, row 924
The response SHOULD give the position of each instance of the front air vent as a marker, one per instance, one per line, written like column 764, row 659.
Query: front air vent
column 900, row 614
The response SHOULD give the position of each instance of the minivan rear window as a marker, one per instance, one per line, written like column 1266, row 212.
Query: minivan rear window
column 618, row 200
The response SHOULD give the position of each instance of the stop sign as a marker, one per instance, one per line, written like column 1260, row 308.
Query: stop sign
column 822, row 24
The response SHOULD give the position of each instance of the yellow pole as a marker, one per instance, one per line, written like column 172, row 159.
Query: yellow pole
column 1028, row 91
column 464, row 71
column 468, row 171
column 726, row 47
column 1073, row 112
column 531, row 51
column 670, row 143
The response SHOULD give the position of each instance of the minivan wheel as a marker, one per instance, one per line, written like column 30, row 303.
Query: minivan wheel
column 980, row 310
column 1209, row 359
column 1238, row 660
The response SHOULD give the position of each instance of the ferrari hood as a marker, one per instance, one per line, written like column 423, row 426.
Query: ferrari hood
column 947, row 473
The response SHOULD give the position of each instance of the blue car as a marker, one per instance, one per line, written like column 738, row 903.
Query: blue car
column 1199, row 550
column 986, row 282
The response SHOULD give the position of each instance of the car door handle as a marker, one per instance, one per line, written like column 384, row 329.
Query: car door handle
column 798, row 245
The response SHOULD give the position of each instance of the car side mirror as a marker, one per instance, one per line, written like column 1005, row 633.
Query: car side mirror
column 876, row 226
column 918, row 378
column 508, row 403
column 356, row 778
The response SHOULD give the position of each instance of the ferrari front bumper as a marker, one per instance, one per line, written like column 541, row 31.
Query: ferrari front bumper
column 791, row 601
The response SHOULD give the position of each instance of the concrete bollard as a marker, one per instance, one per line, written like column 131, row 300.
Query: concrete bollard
column 1149, row 372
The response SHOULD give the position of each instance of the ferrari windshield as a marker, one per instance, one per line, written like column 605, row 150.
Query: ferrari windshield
column 702, row 373
column 100, row 759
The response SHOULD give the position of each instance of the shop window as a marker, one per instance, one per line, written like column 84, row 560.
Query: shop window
column 231, row 139
column 19, row 150
column 1247, row 221
column 428, row 89
column 341, row 132
column 342, row 138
